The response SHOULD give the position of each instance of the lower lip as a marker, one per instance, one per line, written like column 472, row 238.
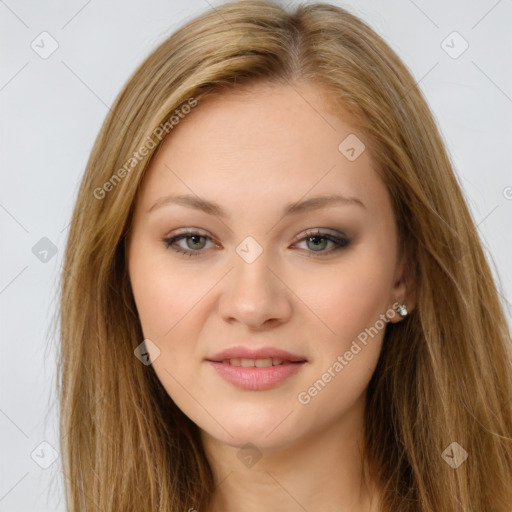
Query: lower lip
column 254, row 378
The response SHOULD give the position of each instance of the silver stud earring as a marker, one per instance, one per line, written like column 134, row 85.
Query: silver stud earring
column 402, row 310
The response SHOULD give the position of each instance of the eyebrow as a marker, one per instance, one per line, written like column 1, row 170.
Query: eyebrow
column 294, row 208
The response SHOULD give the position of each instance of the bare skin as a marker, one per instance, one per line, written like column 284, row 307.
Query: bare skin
column 254, row 153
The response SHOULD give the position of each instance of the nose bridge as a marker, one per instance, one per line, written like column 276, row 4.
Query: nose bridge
column 253, row 294
column 251, row 271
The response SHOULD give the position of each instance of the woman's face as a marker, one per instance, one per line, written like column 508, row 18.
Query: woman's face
column 242, row 243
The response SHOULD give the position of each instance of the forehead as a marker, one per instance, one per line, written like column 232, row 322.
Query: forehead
column 260, row 146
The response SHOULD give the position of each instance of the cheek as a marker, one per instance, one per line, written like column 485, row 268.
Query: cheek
column 168, row 304
column 353, row 307
column 350, row 298
column 163, row 295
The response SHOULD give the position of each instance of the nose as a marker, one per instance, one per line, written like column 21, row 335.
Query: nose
column 255, row 295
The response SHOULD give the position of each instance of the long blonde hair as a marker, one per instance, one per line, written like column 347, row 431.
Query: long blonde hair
column 443, row 376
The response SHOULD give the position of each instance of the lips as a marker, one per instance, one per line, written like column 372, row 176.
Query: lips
column 256, row 369
column 255, row 354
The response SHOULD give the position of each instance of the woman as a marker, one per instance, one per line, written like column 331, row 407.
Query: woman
column 274, row 296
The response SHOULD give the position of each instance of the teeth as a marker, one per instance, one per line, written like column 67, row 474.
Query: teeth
column 259, row 363
column 263, row 363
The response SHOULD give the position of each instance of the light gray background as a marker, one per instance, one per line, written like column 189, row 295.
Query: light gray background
column 52, row 110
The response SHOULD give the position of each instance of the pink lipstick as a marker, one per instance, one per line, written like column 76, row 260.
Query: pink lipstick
column 256, row 369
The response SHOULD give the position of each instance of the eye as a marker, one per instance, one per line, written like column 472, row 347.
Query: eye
column 193, row 240
column 318, row 240
column 196, row 241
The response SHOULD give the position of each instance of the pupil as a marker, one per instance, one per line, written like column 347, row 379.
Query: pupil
column 195, row 239
column 317, row 240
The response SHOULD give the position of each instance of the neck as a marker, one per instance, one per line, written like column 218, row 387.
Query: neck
column 323, row 472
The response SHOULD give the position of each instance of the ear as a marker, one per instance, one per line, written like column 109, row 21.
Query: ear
column 404, row 289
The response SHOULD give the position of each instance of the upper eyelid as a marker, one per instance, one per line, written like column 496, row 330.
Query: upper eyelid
column 310, row 232
column 305, row 233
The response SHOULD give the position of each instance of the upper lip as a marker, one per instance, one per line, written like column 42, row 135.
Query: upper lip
column 240, row 352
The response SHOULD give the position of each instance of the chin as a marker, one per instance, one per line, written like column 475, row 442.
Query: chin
column 266, row 434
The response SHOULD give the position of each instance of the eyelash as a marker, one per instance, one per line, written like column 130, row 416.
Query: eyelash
column 340, row 242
